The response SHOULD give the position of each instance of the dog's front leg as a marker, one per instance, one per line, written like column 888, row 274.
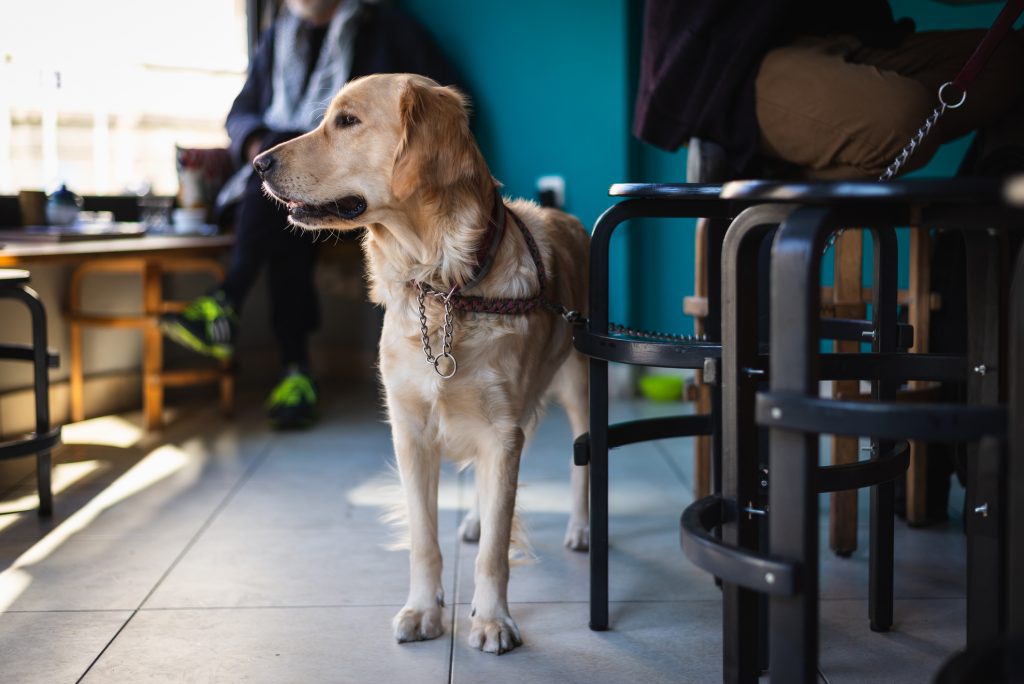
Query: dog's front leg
column 419, row 467
column 497, row 474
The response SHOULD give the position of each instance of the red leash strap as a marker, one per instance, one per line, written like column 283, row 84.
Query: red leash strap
column 1002, row 25
column 963, row 80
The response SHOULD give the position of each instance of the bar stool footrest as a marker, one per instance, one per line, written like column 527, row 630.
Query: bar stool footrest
column 25, row 352
column 881, row 419
column 639, row 352
column 845, row 476
column 645, row 430
column 747, row 568
column 31, row 444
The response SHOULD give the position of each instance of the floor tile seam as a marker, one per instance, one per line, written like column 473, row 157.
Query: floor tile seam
column 672, row 465
column 228, row 497
column 246, row 475
column 40, row 611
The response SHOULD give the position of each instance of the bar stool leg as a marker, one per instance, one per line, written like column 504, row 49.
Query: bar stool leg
column 1015, row 466
column 985, row 463
column 742, row 609
column 793, row 523
column 883, row 496
column 41, row 387
column 598, row 495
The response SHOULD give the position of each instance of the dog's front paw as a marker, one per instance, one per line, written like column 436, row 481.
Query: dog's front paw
column 577, row 535
column 417, row 625
column 494, row 635
column 469, row 528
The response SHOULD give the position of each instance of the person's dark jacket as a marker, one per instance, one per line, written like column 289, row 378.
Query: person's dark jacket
column 700, row 58
column 387, row 41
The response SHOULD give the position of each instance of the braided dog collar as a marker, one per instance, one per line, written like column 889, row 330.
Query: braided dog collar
column 455, row 300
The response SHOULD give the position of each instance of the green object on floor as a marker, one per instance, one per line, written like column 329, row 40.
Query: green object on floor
column 207, row 326
column 662, row 387
column 293, row 403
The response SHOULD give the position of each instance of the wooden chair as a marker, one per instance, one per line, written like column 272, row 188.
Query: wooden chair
column 154, row 377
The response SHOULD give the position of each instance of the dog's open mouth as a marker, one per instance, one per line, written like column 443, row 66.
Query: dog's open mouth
column 347, row 208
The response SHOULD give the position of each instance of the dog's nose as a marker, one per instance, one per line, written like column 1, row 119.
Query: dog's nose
column 263, row 164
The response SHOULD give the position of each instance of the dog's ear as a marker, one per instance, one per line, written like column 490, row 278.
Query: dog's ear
column 437, row 148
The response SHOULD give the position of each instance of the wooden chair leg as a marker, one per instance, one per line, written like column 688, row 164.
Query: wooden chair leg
column 702, row 448
column 701, row 444
column 77, row 374
column 842, row 536
column 919, row 314
column 152, row 349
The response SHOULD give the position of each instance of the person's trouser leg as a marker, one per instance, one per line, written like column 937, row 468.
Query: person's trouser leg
column 840, row 110
column 260, row 221
column 294, row 307
column 264, row 237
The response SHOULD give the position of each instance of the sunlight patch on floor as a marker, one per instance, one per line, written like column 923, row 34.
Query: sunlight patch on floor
column 156, row 466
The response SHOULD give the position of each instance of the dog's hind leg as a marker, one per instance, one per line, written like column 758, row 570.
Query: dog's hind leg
column 497, row 473
column 570, row 387
column 469, row 528
column 419, row 467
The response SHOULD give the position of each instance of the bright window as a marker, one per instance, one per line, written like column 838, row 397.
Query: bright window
column 97, row 93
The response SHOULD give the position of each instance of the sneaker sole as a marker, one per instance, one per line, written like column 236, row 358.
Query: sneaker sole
column 183, row 336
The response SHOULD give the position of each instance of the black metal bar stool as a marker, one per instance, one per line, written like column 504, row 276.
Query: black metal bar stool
column 14, row 285
column 788, row 572
column 604, row 342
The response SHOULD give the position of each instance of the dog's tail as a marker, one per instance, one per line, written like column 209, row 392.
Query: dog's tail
column 520, row 550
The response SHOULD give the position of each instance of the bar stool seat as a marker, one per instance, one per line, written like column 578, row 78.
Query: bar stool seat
column 838, row 193
column 40, row 442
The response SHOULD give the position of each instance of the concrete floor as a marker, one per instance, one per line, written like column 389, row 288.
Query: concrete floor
column 219, row 551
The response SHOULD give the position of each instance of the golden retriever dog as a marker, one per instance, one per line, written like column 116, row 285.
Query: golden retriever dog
column 395, row 154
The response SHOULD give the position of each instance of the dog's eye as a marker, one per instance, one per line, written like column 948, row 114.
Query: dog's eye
column 345, row 120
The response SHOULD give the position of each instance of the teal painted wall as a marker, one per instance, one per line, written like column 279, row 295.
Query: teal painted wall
column 549, row 82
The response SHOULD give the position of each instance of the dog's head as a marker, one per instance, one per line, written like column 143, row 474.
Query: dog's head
column 384, row 139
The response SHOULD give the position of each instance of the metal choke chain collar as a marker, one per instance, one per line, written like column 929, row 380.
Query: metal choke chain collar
column 447, row 329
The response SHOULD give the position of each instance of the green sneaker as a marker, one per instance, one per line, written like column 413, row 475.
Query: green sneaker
column 207, row 325
column 292, row 404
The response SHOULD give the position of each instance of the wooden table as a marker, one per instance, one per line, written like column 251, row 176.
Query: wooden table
column 150, row 257
column 18, row 254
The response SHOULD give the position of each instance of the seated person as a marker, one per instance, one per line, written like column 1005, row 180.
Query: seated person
column 831, row 90
column 309, row 53
column 834, row 90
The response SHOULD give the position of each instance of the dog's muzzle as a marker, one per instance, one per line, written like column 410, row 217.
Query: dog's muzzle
column 346, row 208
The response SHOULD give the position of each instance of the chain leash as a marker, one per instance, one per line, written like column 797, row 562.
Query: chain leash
column 915, row 140
column 447, row 330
